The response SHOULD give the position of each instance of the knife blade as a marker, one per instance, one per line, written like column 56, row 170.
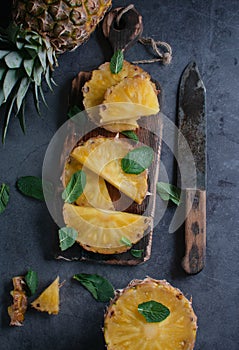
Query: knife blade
column 192, row 125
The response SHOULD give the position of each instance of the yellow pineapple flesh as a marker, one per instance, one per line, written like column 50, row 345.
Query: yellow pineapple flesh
column 102, row 79
column 126, row 329
column 103, row 156
column 131, row 98
column 49, row 299
column 101, row 231
column 95, row 193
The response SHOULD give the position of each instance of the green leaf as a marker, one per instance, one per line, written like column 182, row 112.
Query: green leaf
column 137, row 253
column 48, row 78
column 7, row 119
column 10, row 81
column 100, row 288
column 21, row 117
column 42, row 57
column 31, row 279
column 137, row 160
column 153, row 311
column 4, row 197
column 1, row 97
column 130, row 134
column 2, row 72
column 67, row 237
column 73, row 111
column 168, row 192
column 28, row 65
column 37, row 74
column 13, row 60
column 22, row 90
column 31, row 186
column 3, row 53
column 126, row 241
column 75, row 187
column 36, row 99
column 116, row 63
column 42, row 96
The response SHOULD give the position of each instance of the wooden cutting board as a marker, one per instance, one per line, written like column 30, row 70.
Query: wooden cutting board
column 146, row 135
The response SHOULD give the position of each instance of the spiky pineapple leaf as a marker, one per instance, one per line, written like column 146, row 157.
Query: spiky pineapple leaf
column 28, row 65
column 22, row 90
column 9, row 82
column 37, row 74
column 42, row 96
column 21, row 117
column 13, row 60
column 2, row 71
column 7, row 118
column 1, row 97
column 36, row 99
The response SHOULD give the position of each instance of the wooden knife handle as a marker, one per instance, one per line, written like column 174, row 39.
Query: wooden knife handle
column 195, row 231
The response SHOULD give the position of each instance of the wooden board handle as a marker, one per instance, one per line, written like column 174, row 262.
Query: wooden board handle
column 195, row 231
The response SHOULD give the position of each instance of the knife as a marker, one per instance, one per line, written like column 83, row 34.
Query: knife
column 192, row 125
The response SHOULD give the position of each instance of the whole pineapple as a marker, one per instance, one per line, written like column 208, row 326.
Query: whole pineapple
column 40, row 30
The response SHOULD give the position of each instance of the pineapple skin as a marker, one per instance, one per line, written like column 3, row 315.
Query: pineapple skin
column 111, row 321
column 66, row 23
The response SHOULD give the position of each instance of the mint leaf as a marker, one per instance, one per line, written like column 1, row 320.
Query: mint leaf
column 98, row 286
column 168, row 192
column 75, row 187
column 73, row 111
column 130, row 134
column 31, row 186
column 137, row 160
column 116, row 63
column 126, row 241
column 31, row 279
column 4, row 197
column 67, row 237
column 137, row 253
column 153, row 311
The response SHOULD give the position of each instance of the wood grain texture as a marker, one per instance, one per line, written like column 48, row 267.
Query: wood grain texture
column 147, row 133
column 195, row 231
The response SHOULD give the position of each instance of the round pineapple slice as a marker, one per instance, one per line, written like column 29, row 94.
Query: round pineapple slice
column 102, row 231
column 95, row 193
column 103, row 156
column 131, row 98
column 126, row 329
column 94, row 91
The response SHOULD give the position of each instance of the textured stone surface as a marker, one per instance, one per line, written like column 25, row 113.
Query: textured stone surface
column 205, row 31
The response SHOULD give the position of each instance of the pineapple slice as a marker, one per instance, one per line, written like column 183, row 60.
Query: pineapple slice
column 101, row 231
column 95, row 192
column 94, row 91
column 103, row 156
column 49, row 299
column 126, row 329
column 131, row 98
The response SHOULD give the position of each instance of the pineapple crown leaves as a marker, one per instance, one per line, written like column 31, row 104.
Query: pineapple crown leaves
column 26, row 58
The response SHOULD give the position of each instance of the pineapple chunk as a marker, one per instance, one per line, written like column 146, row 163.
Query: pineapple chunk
column 95, row 192
column 103, row 156
column 131, row 98
column 49, row 299
column 101, row 231
column 126, row 329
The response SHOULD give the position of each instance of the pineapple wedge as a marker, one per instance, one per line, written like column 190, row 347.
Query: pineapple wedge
column 101, row 231
column 95, row 192
column 94, row 92
column 126, row 329
column 132, row 98
column 49, row 299
column 103, row 156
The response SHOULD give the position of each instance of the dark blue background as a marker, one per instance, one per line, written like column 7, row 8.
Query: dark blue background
column 205, row 31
